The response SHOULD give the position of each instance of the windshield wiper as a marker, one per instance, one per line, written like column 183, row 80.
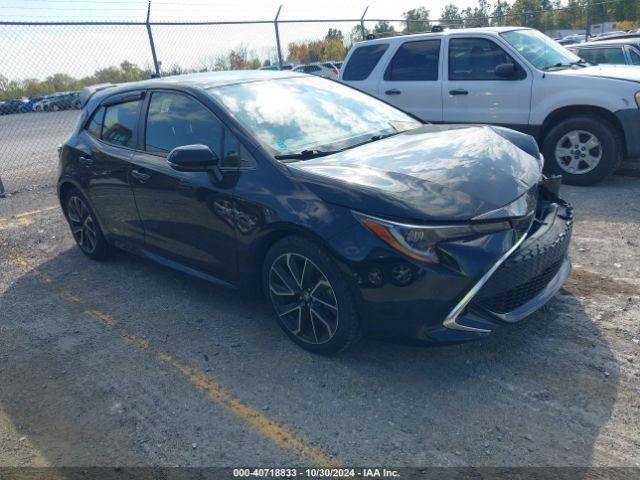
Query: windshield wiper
column 557, row 65
column 306, row 154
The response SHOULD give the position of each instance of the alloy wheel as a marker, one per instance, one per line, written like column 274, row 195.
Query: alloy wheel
column 578, row 152
column 303, row 298
column 82, row 224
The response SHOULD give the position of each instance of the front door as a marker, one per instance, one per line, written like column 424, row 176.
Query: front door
column 411, row 81
column 473, row 93
column 183, row 212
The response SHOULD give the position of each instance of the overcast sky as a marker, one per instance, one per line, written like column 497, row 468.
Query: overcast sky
column 38, row 51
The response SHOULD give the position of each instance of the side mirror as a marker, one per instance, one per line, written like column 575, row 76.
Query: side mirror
column 507, row 71
column 195, row 158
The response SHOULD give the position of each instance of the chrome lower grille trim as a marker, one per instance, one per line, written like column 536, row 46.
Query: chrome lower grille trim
column 451, row 320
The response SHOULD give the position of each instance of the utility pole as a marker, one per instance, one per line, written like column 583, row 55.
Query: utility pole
column 153, row 47
column 275, row 24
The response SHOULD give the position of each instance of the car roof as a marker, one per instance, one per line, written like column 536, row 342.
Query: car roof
column 204, row 81
column 613, row 41
column 446, row 32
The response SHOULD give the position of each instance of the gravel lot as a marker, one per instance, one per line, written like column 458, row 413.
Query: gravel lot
column 127, row 363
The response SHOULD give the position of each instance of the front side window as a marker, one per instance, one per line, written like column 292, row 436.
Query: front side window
column 363, row 60
column 541, row 51
column 415, row 61
column 635, row 56
column 175, row 120
column 120, row 121
column 475, row 59
column 291, row 115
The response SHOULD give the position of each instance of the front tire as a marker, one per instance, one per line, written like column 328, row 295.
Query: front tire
column 84, row 227
column 583, row 149
column 310, row 297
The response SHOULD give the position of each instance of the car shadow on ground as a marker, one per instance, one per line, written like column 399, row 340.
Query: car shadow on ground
column 537, row 393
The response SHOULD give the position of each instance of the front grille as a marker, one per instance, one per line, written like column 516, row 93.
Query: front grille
column 509, row 300
column 526, row 273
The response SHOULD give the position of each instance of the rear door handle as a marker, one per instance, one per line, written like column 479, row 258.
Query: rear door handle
column 87, row 160
column 393, row 91
column 459, row 91
column 140, row 176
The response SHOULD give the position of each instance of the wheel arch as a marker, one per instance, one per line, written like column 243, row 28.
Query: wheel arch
column 252, row 266
column 564, row 113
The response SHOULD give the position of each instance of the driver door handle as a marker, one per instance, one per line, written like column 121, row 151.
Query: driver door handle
column 140, row 176
column 393, row 91
column 459, row 91
column 86, row 159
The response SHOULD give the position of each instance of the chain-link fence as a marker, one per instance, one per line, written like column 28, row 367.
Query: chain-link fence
column 43, row 65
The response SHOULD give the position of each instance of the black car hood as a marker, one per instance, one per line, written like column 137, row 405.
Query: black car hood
column 432, row 173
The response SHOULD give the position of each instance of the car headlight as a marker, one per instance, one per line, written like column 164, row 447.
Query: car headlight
column 638, row 99
column 419, row 242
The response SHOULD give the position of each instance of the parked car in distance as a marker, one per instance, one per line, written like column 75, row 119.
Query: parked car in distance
column 585, row 118
column 618, row 51
column 14, row 105
column 320, row 69
column 348, row 214
column 62, row 101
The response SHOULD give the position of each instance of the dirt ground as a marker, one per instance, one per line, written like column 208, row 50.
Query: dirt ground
column 126, row 363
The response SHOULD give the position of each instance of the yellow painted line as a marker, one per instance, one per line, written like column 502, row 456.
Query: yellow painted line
column 278, row 433
column 34, row 212
column 23, row 219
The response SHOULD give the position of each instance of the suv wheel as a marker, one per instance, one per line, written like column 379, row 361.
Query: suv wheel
column 310, row 296
column 583, row 149
column 84, row 227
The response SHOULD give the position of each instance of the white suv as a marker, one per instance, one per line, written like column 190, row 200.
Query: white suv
column 586, row 118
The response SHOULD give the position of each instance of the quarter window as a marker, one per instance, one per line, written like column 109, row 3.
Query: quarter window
column 95, row 125
column 120, row 120
column 415, row 61
column 363, row 60
column 475, row 59
column 176, row 120
column 635, row 56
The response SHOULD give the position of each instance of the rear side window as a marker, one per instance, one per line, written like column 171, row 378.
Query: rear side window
column 635, row 56
column 175, row 120
column 119, row 126
column 475, row 59
column 415, row 61
column 94, row 127
column 605, row 55
column 363, row 60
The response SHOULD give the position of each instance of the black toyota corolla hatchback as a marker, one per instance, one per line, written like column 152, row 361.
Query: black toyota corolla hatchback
column 350, row 216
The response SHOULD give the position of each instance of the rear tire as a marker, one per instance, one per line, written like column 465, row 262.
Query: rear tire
column 310, row 297
column 84, row 227
column 583, row 149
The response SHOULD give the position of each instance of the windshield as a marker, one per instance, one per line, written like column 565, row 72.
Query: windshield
column 541, row 51
column 302, row 114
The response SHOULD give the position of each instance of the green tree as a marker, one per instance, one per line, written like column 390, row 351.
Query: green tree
column 383, row 29
column 451, row 15
column 417, row 19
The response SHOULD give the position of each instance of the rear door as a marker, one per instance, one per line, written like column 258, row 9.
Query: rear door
column 412, row 79
column 111, row 136
column 473, row 93
column 186, row 215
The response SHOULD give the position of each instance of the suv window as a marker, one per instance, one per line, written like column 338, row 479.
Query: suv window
column 120, row 121
column 415, row 61
column 635, row 56
column 363, row 60
column 610, row 55
column 94, row 127
column 475, row 59
column 175, row 120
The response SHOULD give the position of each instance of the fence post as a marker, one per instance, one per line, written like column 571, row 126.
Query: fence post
column 2, row 192
column 362, row 29
column 153, row 46
column 275, row 24
column 587, row 30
